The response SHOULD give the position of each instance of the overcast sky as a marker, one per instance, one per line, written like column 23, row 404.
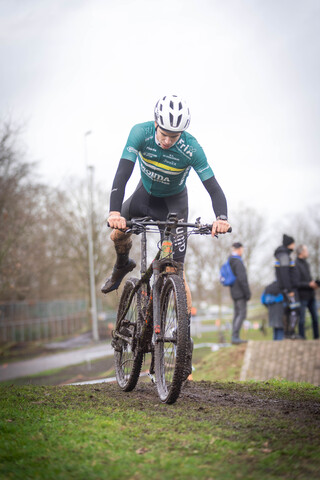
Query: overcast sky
column 249, row 70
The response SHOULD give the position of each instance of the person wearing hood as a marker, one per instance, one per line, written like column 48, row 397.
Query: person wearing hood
column 287, row 280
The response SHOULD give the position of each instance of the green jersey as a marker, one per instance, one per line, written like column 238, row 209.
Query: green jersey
column 164, row 172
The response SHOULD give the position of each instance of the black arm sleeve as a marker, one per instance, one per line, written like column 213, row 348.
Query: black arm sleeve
column 121, row 178
column 218, row 199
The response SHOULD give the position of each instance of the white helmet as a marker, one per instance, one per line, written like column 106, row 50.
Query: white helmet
column 172, row 113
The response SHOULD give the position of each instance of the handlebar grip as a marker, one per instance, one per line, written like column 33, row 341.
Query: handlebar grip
column 128, row 224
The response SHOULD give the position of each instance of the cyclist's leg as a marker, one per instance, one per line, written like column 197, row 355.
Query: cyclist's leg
column 158, row 210
column 123, row 265
column 122, row 241
column 179, row 204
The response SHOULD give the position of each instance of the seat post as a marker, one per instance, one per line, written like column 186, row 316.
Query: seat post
column 143, row 252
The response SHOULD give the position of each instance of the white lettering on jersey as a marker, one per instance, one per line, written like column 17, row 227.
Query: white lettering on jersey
column 132, row 150
column 203, row 169
column 155, row 176
column 186, row 149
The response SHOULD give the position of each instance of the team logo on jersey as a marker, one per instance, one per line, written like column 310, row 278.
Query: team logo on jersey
column 155, row 176
column 132, row 150
column 186, row 149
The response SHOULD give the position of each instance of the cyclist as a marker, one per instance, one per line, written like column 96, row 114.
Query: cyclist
column 166, row 153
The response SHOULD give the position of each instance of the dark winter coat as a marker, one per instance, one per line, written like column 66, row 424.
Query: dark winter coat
column 286, row 271
column 304, row 278
column 275, row 310
column 240, row 288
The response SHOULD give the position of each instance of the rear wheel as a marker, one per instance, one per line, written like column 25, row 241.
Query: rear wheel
column 172, row 342
column 128, row 360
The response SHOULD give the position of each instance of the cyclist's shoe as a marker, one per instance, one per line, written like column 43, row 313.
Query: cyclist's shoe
column 238, row 341
column 188, row 364
column 113, row 282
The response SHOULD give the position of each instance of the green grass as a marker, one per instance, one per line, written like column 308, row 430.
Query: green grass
column 92, row 432
column 225, row 364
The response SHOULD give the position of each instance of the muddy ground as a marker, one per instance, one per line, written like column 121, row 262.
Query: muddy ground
column 208, row 398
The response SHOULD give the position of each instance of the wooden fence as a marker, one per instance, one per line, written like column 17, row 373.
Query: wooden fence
column 27, row 321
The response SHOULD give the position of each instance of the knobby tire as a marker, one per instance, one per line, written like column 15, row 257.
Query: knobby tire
column 127, row 359
column 172, row 343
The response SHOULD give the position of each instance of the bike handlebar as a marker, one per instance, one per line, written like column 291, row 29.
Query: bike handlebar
column 141, row 223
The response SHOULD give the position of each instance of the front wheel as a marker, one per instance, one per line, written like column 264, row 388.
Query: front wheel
column 127, row 359
column 172, row 342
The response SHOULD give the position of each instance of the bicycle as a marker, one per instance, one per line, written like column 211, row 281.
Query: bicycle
column 153, row 316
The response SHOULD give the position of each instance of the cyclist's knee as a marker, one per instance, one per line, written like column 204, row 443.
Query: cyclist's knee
column 122, row 242
column 118, row 235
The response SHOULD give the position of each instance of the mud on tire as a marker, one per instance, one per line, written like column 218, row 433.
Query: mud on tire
column 172, row 342
column 127, row 359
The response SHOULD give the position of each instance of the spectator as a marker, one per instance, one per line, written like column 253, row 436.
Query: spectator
column 272, row 298
column 286, row 274
column 240, row 292
column 306, row 288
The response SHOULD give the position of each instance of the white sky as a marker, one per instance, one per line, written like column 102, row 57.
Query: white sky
column 249, row 70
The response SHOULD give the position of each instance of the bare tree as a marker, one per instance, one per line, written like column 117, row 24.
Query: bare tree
column 205, row 256
column 20, row 214
column 43, row 231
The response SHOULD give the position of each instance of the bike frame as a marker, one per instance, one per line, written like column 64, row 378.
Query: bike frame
column 158, row 322
column 156, row 269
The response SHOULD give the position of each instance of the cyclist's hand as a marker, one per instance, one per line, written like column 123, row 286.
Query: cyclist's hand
column 220, row 226
column 116, row 221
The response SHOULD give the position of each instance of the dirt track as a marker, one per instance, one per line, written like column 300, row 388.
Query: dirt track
column 208, row 396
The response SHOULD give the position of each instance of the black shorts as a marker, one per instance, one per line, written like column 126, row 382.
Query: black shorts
column 142, row 204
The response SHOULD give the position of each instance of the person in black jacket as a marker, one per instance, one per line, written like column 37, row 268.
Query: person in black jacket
column 306, row 288
column 240, row 291
column 286, row 274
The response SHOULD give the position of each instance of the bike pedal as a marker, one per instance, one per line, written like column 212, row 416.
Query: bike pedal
column 125, row 331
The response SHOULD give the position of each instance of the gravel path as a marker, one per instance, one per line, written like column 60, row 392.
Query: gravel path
column 58, row 360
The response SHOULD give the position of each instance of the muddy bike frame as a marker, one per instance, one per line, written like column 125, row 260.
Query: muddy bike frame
column 154, row 318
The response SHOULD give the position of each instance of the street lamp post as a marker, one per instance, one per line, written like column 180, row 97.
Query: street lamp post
column 89, row 174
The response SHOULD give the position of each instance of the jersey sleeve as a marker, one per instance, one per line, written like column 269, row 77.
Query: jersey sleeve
column 201, row 165
column 134, row 143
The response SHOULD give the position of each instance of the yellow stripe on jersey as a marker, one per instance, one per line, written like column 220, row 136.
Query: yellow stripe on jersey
column 162, row 166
